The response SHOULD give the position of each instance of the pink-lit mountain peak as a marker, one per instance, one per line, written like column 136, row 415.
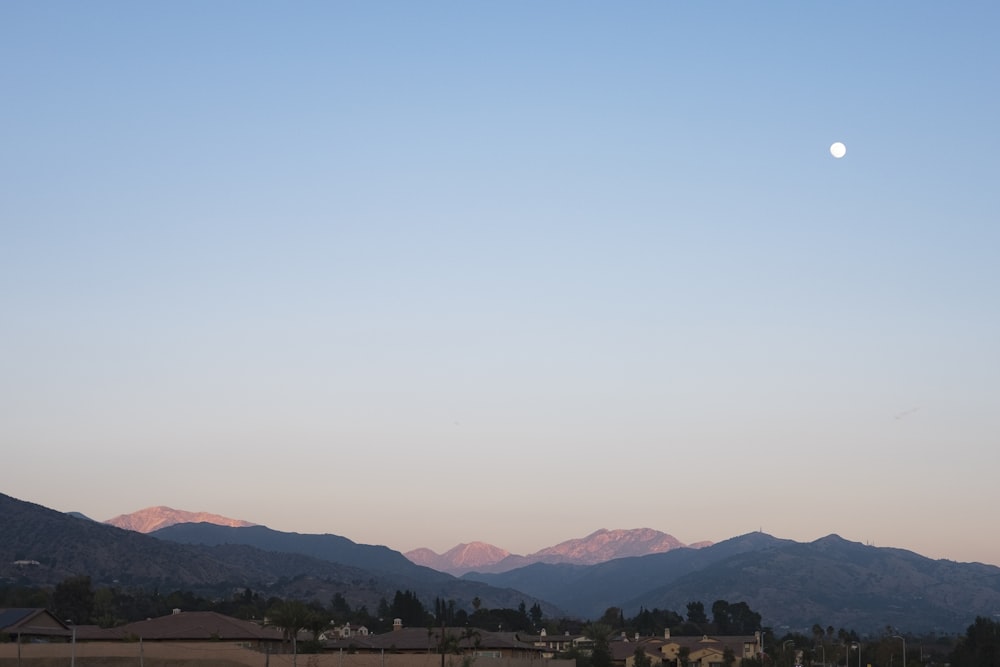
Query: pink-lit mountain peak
column 600, row 546
column 604, row 545
column 153, row 518
column 461, row 558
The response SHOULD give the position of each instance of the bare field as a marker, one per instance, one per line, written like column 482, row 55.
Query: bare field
column 224, row 654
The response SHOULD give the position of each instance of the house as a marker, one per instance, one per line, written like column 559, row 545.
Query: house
column 203, row 626
column 345, row 631
column 27, row 624
column 552, row 645
column 704, row 651
column 464, row 641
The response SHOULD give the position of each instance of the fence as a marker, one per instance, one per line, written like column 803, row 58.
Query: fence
column 230, row 654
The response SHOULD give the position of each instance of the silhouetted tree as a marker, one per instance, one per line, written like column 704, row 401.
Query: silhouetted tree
column 73, row 600
column 980, row 647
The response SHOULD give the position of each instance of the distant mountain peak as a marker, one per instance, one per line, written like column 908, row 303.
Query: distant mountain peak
column 153, row 518
column 603, row 545
column 600, row 546
column 461, row 558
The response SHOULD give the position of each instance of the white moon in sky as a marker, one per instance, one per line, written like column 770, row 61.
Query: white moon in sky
column 838, row 150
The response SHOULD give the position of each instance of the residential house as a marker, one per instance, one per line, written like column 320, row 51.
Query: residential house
column 464, row 641
column 345, row 631
column 203, row 626
column 704, row 651
column 32, row 624
column 553, row 645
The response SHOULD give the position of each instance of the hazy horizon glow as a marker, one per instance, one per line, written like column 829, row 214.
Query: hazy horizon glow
column 427, row 273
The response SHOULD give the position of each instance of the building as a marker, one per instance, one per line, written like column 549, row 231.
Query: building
column 32, row 624
column 202, row 626
column 704, row 651
column 453, row 640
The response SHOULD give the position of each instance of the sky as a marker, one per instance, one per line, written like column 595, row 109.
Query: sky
column 428, row 273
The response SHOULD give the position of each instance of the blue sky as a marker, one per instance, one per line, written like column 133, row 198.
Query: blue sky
column 426, row 273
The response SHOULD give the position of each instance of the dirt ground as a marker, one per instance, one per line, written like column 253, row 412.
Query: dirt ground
column 223, row 654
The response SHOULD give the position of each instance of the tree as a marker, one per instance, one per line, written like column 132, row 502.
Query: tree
column 640, row 659
column 612, row 617
column 980, row 647
column 734, row 619
column 696, row 613
column 340, row 607
column 407, row 606
column 536, row 615
column 600, row 635
column 73, row 600
column 290, row 617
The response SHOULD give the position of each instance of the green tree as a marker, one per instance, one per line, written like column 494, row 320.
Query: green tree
column 290, row 617
column 640, row 659
column 105, row 608
column 612, row 617
column 339, row 606
column 536, row 615
column 73, row 600
column 696, row 613
column 407, row 606
column 980, row 647
column 600, row 635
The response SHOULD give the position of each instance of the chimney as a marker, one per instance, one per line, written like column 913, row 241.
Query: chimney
column 666, row 633
column 397, row 624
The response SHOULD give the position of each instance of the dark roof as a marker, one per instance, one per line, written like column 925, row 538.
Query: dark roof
column 199, row 625
column 33, row 621
column 429, row 639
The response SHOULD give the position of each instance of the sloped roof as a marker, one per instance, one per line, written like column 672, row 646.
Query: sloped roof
column 200, row 625
column 429, row 639
column 33, row 621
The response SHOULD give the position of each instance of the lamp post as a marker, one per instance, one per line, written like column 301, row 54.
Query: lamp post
column 901, row 637
column 72, row 650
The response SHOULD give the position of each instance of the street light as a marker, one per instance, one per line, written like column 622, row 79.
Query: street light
column 72, row 655
column 857, row 646
column 904, row 647
column 784, row 644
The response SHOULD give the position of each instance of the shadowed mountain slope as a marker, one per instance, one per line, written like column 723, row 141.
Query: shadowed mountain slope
column 793, row 585
column 42, row 547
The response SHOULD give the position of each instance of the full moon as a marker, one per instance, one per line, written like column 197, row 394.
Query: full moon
column 838, row 150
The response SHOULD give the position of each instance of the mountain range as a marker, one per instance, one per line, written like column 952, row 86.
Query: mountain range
column 598, row 547
column 793, row 585
column 40, row 546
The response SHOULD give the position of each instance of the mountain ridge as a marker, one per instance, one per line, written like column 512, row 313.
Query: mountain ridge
column 599, row 546
column 43, row 547
column 793, row 585
column 154, row 518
